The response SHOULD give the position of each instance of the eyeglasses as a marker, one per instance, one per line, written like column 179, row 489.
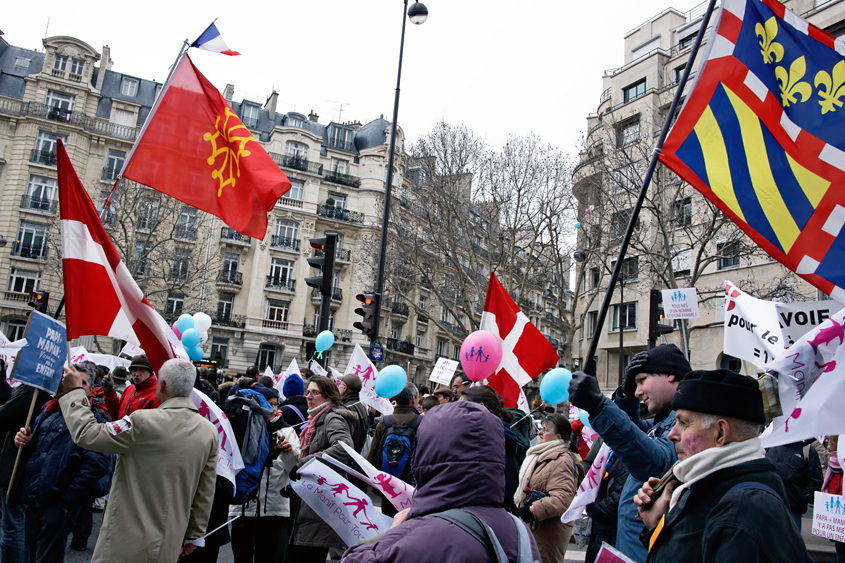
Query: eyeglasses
column 312, row 393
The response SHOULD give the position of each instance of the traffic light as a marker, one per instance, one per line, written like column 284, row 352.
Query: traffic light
column 328, row 245
column 369, row 310
column 39, row 300
column 655, row 315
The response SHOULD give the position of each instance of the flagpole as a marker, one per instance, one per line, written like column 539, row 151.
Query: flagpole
column 590, row 360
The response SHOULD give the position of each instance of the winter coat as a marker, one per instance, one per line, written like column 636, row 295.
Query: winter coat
column 133, row 399
column 357, row 430
column 710, row 524
column 273, row 480
column 646, row 451
column 606, row 506
column 57, row 471
column 514, row 456
column 458, row 463
column 332, row 428
column 223, row 390
column 800, row 478
column 557, row 475
column 289, row 408
column 164, row 478
column 13, row 415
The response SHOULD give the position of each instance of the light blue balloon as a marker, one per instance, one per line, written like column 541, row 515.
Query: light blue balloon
column 324, row 341
column 577, row 224
column 390, row 381
column 184, row 322
column 190, row 338
column 585, row 418
column 195, row 353
column 554, row 388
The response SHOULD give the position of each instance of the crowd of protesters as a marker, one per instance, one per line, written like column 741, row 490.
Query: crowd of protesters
column 131, row 440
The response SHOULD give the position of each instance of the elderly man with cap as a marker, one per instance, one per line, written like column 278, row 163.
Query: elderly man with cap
column 141, row 394
column 643, row 447
column 729, row 504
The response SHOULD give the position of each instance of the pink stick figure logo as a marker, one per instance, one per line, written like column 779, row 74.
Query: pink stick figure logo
column 795, row 414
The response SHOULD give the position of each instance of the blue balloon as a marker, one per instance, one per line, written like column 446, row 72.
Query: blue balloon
column 190, row 338
column 184, row 322
column 584, row 416
column 195, row 353
column 554, row 388
column 324, row 341
column 577, row 224
column 390, row 381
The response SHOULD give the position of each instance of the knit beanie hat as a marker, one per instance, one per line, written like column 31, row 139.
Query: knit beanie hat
column 293, row 386
column 141, row 362
column 664, row 359
column 721, row 392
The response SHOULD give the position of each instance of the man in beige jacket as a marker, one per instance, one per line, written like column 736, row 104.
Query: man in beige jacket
column 164, row 479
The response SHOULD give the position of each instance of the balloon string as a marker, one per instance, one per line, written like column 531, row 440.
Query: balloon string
column 527, row 415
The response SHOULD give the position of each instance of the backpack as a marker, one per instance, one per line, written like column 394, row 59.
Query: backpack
column 478, row 528
column 397, row 446
column 247, row 411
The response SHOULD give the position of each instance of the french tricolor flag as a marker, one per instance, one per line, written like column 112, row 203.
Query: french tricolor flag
column 211, row 40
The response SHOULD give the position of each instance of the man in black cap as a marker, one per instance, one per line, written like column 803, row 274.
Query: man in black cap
column 643, row 447
column 729, row 504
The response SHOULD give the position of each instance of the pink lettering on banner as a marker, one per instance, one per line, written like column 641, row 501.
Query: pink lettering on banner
column 795, row 414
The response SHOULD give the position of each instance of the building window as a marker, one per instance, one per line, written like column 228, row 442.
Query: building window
column 682, row 212
column 592, row 319
column 442, row 348
column 267, row 357
column 630, row 268
column 681, row 262
column 629, row 316
column 224, row 307
column 728, row 254
column 633, row 91
column 581, row 330
column 123, row 117
column 626, row 178
column 336, row 200
column 446, row 316
column 62, row 102
column 619, row 222
column 76, row 67
column 287, row 231
column 281, row 272
column 141, row 259
column 15, row 329
column 147, row 215
column 22, row 63
column 292, row 121
column 175, row 303
column 456, row 353
column 296, row 150
column 250, row 115
column 45, row 144
column 111, row 210
column 181, row 265
column 595, row 278
column 219, row 350
column 230, row 263
column 677, row 74
column 296, row 191
column 114, row 164
column 687, row 41
column 277, row 310
column 341, row 138
column 340, row 166
column 396, row 332
column 421, row 340
column 187, row 226
column 32, row 241
column 60, row 63
column 628, row 132
column 40, row 193
column 24, row 281
column 129, row 87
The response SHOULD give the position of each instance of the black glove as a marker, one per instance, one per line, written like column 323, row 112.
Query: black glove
column 107, row 384
column 635, row 366
column 525, row 514
column 619, row 393
column 293, row 475
column 585, row 394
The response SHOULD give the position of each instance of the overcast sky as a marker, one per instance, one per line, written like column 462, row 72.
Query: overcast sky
column 497, row 67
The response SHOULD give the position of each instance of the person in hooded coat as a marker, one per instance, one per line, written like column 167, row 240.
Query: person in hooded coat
column 452, row 469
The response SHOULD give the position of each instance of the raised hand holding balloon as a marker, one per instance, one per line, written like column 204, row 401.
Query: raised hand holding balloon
column 481, row 354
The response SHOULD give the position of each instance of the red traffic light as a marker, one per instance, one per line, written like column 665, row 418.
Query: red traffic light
column 364, row 298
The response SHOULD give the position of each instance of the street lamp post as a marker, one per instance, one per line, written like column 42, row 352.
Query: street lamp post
column 417, row 13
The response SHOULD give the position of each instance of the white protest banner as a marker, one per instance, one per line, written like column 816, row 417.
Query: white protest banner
column 229, row 460
column 268, row 371
column 339, row 503
column 443, row 371
column 522, row 402
column 108, row 360
column 293, row 369
column 336, row 375
column 680, row 303
column 3, row 340
column 317, row 368
column 829, row 517
column 132, row 350
column 797, row 319
column 8, row 353
column 79, row 354
column 588, row 490
column 397, row 491
column 360, row 365
column 752, row 330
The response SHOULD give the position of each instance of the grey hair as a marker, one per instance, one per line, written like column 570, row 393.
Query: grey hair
column 741, row 429
column 179, row 376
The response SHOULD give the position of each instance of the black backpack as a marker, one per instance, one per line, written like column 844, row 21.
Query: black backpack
column 397, row 445
column 247, row 412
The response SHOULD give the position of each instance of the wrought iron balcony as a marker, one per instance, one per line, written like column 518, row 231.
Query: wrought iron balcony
column 422, row 319
column 280, row 284
column 286, row 243
column 228, row 234
column 340, row 254
column 309, row 331
column 45, row 157
column 399, row 309
column 339, row 214
column 226, row 318
column 33, row 251
column 341, row 178
column 337, row 293
column 42, row 204
column 400, row 346
column 91, row 124
column 294, row 162
column 340, row 145
column 230, row 277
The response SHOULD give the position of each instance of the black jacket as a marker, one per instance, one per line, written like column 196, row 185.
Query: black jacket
column 358, row 428
column 288, row 408
column 710, row 524
column 604, row 510
column 800, row 478
column 12, row 418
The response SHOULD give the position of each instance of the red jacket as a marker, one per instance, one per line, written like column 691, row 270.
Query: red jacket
column 133, row 399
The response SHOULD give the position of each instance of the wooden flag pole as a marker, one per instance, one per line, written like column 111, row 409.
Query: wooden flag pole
column 590, row 360
column 18, row 457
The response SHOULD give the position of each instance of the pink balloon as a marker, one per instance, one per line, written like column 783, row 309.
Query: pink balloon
column 176, row 331
column 481, row 354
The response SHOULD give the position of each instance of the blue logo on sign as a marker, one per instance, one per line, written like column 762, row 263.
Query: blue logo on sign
column 679, row 296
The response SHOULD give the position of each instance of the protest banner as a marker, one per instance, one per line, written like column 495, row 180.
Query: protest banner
column 588, row 490
column 397, row 491
column 829, row 516
column 339, row 503
column 9, row 354
column 522, row 402
column 680, row 303
column 293, row 369
column 108, row 360
column 335, row 375
column 752, row 329
column 132, row 350
column 229, row 460
column 317, row 368
column 78, row 354
column 797, row 319
column 444, row 371
column 360, row 365
column 41, row 361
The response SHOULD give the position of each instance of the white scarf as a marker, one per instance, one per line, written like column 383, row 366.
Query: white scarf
column 533, row 456
column 697, row 467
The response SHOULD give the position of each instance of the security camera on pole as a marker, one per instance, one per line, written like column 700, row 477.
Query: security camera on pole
column 325, row 282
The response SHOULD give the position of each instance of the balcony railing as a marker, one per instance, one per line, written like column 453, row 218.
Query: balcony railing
column 222, row 318
column 274, row 325
column 422, row 319
column 400, row 346
column 296, row 163
column 38, row 156
column 42, row 204
column 251, row 122
column 399, row 309
column 280, row 284
column 16, row 297
column 91, row 124
column 228, row 234
column 230, row 277
column 341, row 178
column 35, row 252
column 289, row 202
column 337, row 293
column 340, row 254
column 340, row 214
column 287, row 243
column 186, row 232
column 341, row 145
column 309, row 331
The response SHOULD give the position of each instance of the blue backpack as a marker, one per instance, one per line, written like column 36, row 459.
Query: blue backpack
column 397, row 446
column 247, row 411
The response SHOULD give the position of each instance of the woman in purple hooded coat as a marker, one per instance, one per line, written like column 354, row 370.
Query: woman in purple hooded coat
column 458, row 462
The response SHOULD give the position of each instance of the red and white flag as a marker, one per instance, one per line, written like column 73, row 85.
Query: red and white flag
column 100, row 295
column 525, row 351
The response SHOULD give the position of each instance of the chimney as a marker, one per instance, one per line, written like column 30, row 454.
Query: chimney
column 229, row 92
column 270, row 105
column 313, row 116
column 105, row 64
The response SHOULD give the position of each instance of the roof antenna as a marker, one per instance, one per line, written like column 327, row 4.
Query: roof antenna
column 46, row 28
column 340, row 110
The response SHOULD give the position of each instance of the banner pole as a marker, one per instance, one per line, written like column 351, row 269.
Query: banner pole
column 18, row 457
column 590, row 360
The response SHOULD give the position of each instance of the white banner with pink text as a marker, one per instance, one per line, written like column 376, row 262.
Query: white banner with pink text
column 229, row 460
column 589, row 488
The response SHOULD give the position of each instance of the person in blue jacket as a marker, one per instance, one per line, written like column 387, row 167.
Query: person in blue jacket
column 643, row 446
